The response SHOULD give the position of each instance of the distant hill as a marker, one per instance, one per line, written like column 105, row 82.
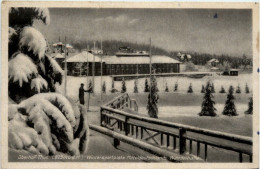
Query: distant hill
column 110, row 47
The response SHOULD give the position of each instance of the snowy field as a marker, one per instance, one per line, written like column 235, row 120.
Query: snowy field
column 73, row 83
column 180, row 107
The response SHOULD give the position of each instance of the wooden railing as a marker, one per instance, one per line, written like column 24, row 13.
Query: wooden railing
column 123, row 101
column 170, row 136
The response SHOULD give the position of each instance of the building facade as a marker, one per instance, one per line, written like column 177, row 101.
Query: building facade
column 86, row 63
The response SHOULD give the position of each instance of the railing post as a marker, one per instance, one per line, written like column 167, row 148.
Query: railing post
column 206, row 152
column 174, row 142
column 167, row 140
column 116, row 142
column 101, row 116
column 126, row 126
column 240, row 157
column 161, row 139
column 190, row 146
column 198, row 148
column 182, row 142
column 142, row 132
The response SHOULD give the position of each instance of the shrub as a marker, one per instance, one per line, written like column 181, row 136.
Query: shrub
column 135, row 87
column 176, row 87
column 222, row 90
column 190, row 89
column 212, row 88
column 202, row 89
column 238, row 89
column 247, row 89
column 123, row 90
column 166, row 88
column 104, row 87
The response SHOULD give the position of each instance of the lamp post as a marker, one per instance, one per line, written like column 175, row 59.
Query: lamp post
column 67, row 47
column 101, row 72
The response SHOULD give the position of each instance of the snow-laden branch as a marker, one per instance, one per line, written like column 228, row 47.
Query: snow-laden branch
column 39, row 84
column 32, row 40
column 21, row 68
column 49, row 125
column 11, row 32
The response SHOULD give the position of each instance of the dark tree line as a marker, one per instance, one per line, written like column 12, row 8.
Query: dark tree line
column 110, row 47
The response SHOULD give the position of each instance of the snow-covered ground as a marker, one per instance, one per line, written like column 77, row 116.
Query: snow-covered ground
column 173, row 111
column 180, row 107
column 73, row 83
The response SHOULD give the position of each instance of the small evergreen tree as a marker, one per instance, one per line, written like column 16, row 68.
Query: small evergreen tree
column 212, row 88
column 202, row 89
column 207, row 107
column 222, row 90
column 166, row 88
column 250, row 106
column 190, row 89
column 247, row 89
column 104, row 87
column 238, row 89
column 113, row 86
column 153, row 98
column 123, row 90
column 176, row 87
column 230, row 109
column 146, row 86
column 90, row 87
column 135, row 87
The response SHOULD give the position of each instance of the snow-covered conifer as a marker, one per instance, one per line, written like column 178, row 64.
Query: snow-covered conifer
column 230, row 109
column 153, row 98
column 41, row 123
column 202, row 89
column 146, row 86
column 247, row 88
column 123, row 90
column 190, row 89
column 135, row 87
column 166, row 88
column 207, row 106
column 176, row 87
column 104, row 87
column 212, row 88
column 250, row 106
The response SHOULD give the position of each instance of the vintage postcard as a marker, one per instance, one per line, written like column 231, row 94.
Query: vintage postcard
column 130, row 85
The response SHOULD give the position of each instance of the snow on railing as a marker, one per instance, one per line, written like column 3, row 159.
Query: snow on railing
column 154, row 131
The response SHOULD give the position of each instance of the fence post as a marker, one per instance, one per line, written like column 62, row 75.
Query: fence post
column 182, row 142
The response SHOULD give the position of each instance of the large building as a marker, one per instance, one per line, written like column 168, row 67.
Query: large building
column 121, row 63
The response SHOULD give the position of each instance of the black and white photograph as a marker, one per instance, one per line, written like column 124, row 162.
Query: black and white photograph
column 130, row 85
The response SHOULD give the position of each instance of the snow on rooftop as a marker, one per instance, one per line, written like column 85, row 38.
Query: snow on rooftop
column 138, row 60
column 213, row 60
column 57, row 55
column 84, row 57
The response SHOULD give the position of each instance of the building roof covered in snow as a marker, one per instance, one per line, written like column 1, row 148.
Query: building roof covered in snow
column 84, row 57
column 138, row 60
column 57, row 55
column 213, row 60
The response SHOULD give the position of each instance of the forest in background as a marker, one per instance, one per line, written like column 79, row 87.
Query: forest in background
column 110, row 47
